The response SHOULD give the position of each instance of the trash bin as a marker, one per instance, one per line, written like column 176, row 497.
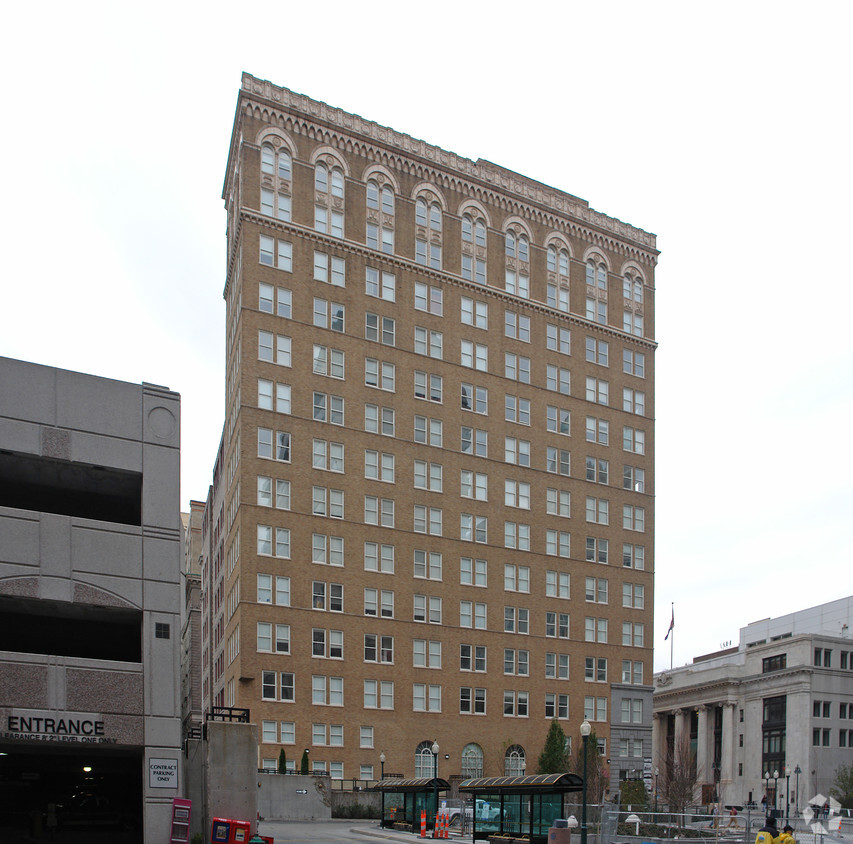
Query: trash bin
column 560, row 833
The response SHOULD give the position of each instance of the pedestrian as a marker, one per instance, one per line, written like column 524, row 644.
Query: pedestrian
column 733, row 816
column 768, row 834
column 51, row 821
column 787, row 835
column 713, row 817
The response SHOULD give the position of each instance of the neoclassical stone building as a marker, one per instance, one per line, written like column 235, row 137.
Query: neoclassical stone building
column 432, row 516
column 779, row 701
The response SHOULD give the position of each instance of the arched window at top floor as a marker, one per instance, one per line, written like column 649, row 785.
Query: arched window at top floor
column 517, row 246
column 632, row 287
column 323, row 177
column 596, row 274
column 428, row 229
column 473, row 230
column 380, row 198
column 276, row 163
column 558, row 260
column 428, row 213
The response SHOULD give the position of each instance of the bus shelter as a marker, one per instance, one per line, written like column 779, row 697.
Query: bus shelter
column 518, row 806
column 404, row 800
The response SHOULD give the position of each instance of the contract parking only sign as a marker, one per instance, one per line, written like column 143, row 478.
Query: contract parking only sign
column 162, row 773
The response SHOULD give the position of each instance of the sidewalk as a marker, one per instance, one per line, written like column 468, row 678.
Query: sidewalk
column 375, row 831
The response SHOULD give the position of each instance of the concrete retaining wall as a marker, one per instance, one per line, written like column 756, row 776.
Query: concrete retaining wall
column 294, row 797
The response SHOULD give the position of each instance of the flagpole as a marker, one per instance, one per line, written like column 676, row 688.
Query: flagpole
column 672, row 635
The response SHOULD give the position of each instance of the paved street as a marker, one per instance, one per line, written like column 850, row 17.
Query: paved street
column 333, row 832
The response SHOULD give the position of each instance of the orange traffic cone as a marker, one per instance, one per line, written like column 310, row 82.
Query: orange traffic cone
column 423, row 823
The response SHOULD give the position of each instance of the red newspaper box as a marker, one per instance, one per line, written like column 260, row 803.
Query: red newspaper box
column 229, row 831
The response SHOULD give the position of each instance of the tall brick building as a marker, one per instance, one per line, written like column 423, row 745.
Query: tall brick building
column 432, row 515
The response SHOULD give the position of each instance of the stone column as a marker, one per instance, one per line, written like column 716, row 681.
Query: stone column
column 682, row 728
column 703, row 769
column 658, row 738
column 727, row 753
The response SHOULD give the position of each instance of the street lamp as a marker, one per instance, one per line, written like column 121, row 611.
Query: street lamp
column 382, row 792
column 586, row 729
column 766, row 790
column 775, row 789
column 435, row 749
column 787, row 793
column 797, row 772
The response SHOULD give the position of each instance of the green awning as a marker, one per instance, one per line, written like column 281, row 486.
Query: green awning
column 553, row 783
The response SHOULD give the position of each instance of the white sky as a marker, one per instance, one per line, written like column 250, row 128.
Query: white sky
column 724, row 128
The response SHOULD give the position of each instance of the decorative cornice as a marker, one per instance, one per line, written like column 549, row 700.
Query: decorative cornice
column 482, row 179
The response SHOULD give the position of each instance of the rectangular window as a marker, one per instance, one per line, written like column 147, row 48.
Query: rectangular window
column 557, row 625
column 380, row 284
column 557, row 584
column 597, row 391
column 634, row 440
column 596, row 590
column 379, row 557
column 597, row 550
column 634, row 401
column 428, row 520
column 517, row 367
column 474, row 355
column 634, row 363
column 427, row 564
column 517, row 410
column 597, row 510
column 633, row 518
column 472, row 572
column 516, row 451
column 517, row 326
column 473, row 528
column 558, row 420
column 474, row 313
column 597, row 351
column 474, row 441
column 429, row 299
column 558, row 502
column 329, row 362
column 634, row 557
column 475, row 399
column 472, row 701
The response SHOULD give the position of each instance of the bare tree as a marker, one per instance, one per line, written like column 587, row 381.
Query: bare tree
column 595, row 776
column 678, row 779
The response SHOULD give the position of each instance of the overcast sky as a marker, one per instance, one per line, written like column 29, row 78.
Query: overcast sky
column 723, row 128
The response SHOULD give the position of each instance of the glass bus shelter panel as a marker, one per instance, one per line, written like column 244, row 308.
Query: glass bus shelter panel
column 548, row 807
column 395, row 808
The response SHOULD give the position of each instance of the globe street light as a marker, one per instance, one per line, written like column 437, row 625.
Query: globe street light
column 586, row 729
column 435, row 749
column 797, row 772
column 766, row 791
column 787, row 793
column 775, row 790
column 382, row 792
